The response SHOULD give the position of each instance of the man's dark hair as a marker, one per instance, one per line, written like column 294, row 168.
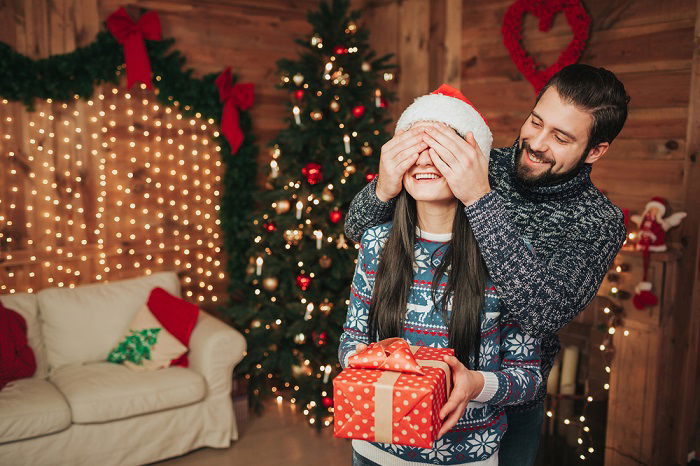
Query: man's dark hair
column 597, row 91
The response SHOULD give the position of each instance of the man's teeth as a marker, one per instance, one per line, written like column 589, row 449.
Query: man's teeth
column 533, row 158
column 426, row 176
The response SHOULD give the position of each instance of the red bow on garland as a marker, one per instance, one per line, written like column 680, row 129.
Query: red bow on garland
column 236, row 97
column 130, row 35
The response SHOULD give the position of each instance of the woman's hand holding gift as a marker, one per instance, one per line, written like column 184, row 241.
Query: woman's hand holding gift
column 466, row 385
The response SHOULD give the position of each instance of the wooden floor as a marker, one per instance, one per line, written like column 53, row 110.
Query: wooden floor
column 281, row 436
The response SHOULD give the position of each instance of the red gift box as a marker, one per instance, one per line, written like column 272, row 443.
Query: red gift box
column 392, row 393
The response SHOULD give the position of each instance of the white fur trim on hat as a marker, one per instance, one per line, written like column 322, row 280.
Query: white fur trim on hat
column 454, row 112
column 642, row 286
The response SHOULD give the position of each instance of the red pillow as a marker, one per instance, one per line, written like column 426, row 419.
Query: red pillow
column 177, row 316
column 16, row 356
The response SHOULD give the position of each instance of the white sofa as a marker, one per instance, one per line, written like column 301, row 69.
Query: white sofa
column 79, row 409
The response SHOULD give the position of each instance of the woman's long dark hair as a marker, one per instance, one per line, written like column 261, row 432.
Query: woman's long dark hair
column 465, row 282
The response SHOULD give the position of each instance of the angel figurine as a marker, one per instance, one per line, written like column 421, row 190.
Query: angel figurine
column 653, row 226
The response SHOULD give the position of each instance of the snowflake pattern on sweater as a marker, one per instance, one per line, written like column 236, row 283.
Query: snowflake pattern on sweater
column 509, row 358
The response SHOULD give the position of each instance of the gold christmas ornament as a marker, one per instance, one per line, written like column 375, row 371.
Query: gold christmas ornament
column 335, row 106
column 283, row 206
column 327, row 195
column 316, row 115
column 366, row 150
column 325, row 261
column 366, row 66
column 270, row 283
column 326, row 306
column 293, row 236
column 298, row 79
column 255, row 323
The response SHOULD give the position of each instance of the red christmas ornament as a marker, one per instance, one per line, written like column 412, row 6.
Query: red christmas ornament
column 327, row 401
column 370, row 176
column 303, row 281
column 299, row 94
column 340, row 50
column 358, row 111
column 336, row 215
column 270, row 226
column 320, row 338
column 312, row 173
column 544, row 10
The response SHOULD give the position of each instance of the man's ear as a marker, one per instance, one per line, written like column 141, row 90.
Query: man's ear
column 597, row 152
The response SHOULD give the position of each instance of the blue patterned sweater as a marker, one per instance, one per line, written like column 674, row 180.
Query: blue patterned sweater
column 509, row 358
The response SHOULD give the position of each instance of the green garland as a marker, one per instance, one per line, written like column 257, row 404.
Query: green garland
column 61, row 77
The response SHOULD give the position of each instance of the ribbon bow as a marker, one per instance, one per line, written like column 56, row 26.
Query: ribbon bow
column 392, row 354
column 130, row 35
column 234, row 97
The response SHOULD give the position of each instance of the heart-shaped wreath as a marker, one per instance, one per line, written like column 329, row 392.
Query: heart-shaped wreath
column 544, row 10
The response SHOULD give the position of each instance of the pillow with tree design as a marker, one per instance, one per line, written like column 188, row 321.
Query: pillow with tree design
column 147, row 345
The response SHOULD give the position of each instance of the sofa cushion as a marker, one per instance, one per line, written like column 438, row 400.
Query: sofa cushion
column 16, row 356
column 30, row 408
column 27, row 306
column 147, row 345
column 176, row 315
column 84, row 323
column 105, row 391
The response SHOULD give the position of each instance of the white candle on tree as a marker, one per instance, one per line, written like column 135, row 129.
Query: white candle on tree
column 297, row 118
column 319, row 238
column 346, row 141
column 300, row 206
column 258, row 265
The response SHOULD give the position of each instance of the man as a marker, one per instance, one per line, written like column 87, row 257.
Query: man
column 538, row 190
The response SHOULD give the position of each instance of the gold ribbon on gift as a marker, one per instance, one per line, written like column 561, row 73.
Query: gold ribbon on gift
column 383, row 397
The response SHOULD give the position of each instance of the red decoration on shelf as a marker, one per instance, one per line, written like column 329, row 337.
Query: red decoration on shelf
column 131, row 35
column 299, row 94
column 312, row 173
column 340, row 50
column 270, row 226
column 335, row 215
column 652, row 238
column 370, row 176
column 358, row 111
column 545, row 10
column 303, row 281
column 236, row 97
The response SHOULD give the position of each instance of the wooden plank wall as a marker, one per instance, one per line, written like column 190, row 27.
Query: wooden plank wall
column 650, row 46
column 646, row 43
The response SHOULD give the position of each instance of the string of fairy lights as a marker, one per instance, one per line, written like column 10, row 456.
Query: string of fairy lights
column 611, row 305
column 109, row 187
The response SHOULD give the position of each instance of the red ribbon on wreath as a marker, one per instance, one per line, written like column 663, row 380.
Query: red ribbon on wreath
column 131, row 35
column 236, row 97
column 544, row 10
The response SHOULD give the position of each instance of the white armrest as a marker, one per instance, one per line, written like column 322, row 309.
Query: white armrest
column 215, row 349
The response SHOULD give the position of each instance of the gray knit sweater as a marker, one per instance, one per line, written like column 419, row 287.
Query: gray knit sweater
column 575, row 230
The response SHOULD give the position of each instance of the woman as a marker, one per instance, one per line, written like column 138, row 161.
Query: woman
column 421, row 277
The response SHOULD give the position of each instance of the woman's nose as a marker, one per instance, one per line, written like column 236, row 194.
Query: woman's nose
column 424, row 158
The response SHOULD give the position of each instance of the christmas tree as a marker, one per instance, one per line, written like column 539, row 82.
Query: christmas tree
column 301, row 264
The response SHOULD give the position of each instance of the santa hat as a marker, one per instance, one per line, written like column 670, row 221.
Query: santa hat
column 660, row 203
column 449, row 106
